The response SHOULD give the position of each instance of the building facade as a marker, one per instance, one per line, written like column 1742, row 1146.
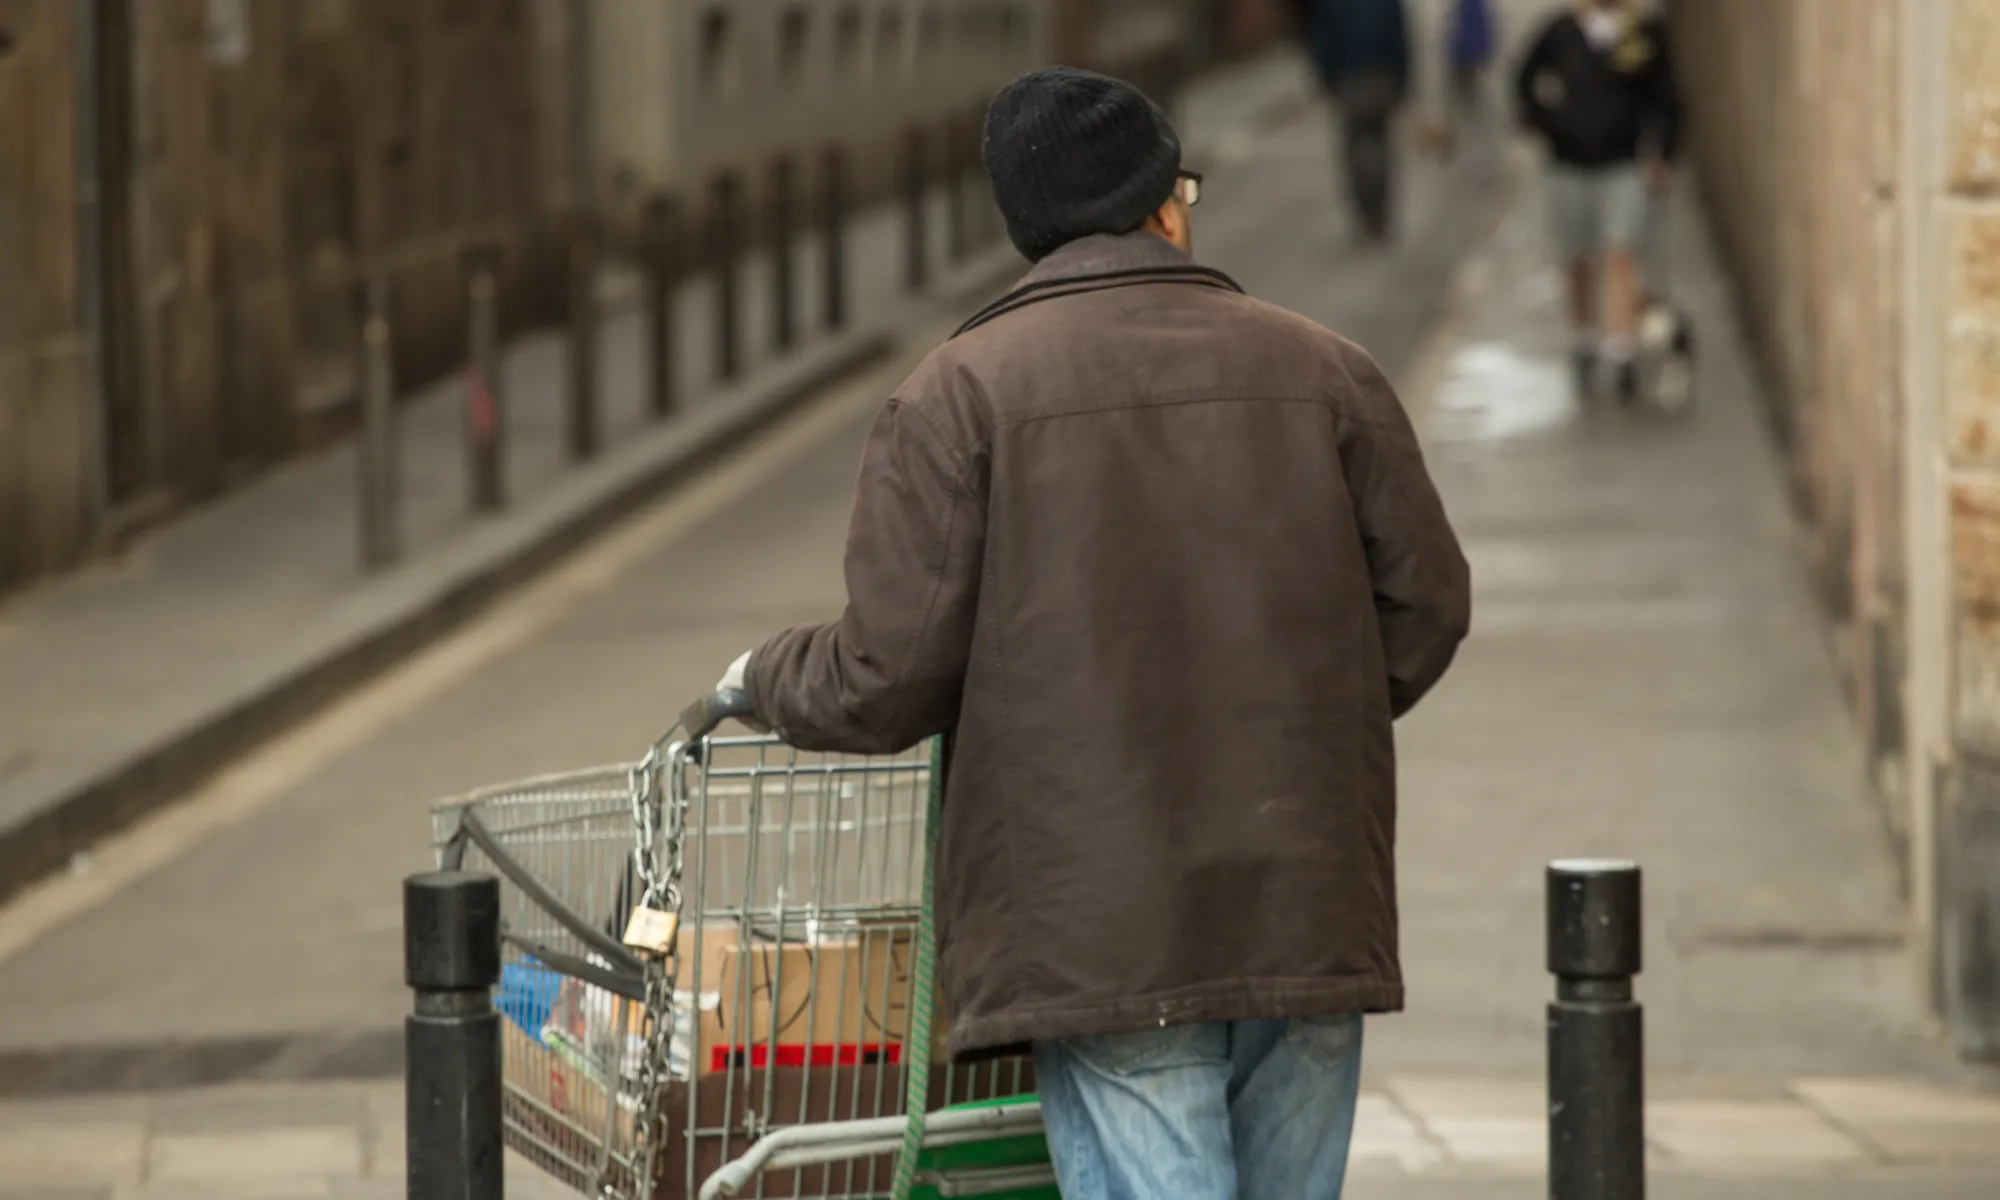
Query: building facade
column 192, row 192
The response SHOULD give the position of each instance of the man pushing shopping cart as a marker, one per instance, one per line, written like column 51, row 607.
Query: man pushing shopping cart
column 1163, row 563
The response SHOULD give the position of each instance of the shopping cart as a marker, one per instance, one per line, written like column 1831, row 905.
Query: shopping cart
column 717, row 977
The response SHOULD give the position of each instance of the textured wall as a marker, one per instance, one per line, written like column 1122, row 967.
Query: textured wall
column 1794, row 129
column 1850, row 153
column 42, row 486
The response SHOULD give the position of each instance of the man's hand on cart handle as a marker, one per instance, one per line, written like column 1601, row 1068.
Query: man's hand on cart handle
column 730, row 686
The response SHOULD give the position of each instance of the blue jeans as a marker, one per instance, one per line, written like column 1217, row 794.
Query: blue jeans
column 1224, row 1110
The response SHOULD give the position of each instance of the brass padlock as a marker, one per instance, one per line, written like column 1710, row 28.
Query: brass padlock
column 651, row 931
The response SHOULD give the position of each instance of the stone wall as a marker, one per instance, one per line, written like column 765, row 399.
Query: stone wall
column 1849, row 151
column 340, row 139
column 260, row 158
column 263, row 157
column 42, row 483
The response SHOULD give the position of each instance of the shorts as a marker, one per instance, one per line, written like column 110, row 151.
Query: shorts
column 1593, row 210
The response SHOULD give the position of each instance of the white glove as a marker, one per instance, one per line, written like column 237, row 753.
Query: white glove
column 732, row 681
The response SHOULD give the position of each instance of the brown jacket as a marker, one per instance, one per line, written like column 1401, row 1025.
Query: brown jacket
column 1167, row 562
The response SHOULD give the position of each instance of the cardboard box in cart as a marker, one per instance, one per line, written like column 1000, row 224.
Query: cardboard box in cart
column 831, row 1001
column 840, row 1001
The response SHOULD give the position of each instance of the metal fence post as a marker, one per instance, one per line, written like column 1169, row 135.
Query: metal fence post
column 958, row 172
column 833, row 239
column 1597, row 1084
column 485, row 407
column 988, row 228
column 377, row 454
column 582, row 239
column 916, row 265
column 661, row 239
column 724, row 200
column 783, row 268
column 451, row 961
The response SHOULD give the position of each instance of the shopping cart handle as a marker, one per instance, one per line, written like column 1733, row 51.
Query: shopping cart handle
column 703, row 716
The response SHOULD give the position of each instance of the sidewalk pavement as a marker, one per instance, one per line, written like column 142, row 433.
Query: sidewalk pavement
column 1648, row 677
column 1880, row 1138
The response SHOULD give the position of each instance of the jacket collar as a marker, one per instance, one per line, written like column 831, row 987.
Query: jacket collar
column 1102, row 252
column 1099, row 262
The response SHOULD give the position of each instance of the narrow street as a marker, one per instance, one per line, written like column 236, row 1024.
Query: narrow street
column 263, row 914
column 1648, row 678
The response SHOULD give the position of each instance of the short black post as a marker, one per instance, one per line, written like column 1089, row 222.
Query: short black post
column 451, row 960
column 1597, row 1082
column 987, row 226
column 784, row 271
column 916, row 263
column 833, row 239
column 725, row 225
column 581, row 234
column 485, row 410
column 958, row 194
column 378, row 453
column 660, row 242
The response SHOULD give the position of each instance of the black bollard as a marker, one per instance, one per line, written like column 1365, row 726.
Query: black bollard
column 451, row 960
column 725, row 225
column 784, row 330
column 916, row 263
column 1597, row 1082
column 988, row 228
column 958, row 194
column 581, row 232
column 660, row 237
column 378, row 453
column 485, row 409
column 833, row 239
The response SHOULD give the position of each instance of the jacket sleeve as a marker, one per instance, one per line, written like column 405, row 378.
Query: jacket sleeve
column 1663, row 95
column 1528, row 106
column 888, row 673
column 1423, row 586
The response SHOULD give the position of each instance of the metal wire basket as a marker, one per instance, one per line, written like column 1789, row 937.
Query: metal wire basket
column 772, row 1036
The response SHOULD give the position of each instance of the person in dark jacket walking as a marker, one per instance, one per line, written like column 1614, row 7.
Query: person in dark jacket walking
column 1598, row 85
column 1361, row 49
column 1166, row 563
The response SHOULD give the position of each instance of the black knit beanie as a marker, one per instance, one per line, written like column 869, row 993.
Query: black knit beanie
column 1072, row 153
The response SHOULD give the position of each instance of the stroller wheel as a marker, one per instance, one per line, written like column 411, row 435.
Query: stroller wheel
column 1673, row 384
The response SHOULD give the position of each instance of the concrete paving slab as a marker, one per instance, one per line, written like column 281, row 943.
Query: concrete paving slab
column 73, row 1152
column 1387, row 1138
column 1749, row 1134
column 1910, row 1122
column 243, row 1108
column 1434, row 1098
column 261, row 1154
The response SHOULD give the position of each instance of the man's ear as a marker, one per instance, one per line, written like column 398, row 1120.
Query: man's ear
column 1167, row 221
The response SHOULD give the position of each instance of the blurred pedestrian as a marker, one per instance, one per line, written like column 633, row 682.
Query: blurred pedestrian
column 1597, row 84
column 1469, row 42
column 1165, row 563
column 1361, row 49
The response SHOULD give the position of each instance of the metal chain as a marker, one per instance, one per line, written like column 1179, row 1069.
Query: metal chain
column 651, row 804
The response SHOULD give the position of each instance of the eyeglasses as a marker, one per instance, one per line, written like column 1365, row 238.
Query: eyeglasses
column 1189, row 187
